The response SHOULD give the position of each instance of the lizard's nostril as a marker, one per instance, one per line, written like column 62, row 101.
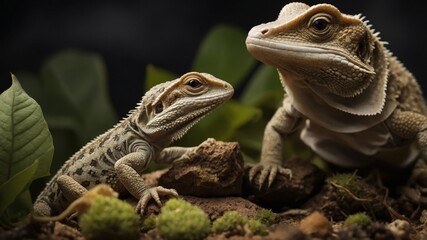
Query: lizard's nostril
column 265, row 31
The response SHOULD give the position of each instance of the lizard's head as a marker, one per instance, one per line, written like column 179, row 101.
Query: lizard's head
column 334, row 53
column 170, row 109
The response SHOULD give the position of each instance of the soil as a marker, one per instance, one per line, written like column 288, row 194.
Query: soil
column 310, row 205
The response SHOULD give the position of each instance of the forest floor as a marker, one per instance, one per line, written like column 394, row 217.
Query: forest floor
column 310, row 205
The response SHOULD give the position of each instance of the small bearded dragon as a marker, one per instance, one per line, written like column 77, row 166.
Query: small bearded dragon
column 356, row 103
column 118, row 157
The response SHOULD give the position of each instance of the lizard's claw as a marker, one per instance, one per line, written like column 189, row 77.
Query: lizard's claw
column 154, row 193
column 269, row 171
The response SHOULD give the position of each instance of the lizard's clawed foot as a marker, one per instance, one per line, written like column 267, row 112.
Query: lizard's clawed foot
column 269, row 171
column 154, row 193
column 416, row 188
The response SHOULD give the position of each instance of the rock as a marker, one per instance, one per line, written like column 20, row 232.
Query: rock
column 400, row 229
column 316, row 225
column 306, row 178
column 213, row 169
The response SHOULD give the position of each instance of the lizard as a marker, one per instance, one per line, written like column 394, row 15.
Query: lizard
column 118, row 156
column 353, row 101
column 82, row 204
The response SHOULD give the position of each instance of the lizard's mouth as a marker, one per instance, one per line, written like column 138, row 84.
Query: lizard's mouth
column 276, row 53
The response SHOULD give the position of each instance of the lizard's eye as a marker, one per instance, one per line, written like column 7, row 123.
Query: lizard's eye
column 194, row 83
column 320, row 23
column 158, row 108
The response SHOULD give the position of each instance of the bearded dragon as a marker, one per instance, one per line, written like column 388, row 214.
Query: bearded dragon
column 118, row 157
column 356, row 103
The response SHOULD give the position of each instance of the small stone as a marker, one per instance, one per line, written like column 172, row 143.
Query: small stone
column 316, row 225
column 423, row 217
column 400, row 229
column 213, row 169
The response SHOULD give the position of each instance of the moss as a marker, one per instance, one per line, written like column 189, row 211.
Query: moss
column 265, row 216
column 350, row 182
column 235, row 223
column 229, row 221
column 148, row 223
column 361, row 219
column 257, row 227
column 181, row 220
column 109, row 218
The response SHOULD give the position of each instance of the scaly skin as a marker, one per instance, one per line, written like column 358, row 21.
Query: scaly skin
column 119, row 156
column 356, row 103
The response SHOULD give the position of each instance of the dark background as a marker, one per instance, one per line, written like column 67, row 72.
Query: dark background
column 131, row 34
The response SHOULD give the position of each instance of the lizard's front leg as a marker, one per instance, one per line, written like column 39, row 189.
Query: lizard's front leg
column 172, row 154
column 285, row 120
column 412, row 125
column 128, row 169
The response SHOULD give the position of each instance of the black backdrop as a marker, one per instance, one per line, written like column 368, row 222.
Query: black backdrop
column 166, row 33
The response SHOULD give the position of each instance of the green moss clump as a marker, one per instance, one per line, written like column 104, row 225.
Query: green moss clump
column 228, row 222
column 361, row 219
column 257, row 227
column 265, row 216
column 179, row 219
column 148, row 223
column 235, row 223
column 109, row 218
column 350, row 182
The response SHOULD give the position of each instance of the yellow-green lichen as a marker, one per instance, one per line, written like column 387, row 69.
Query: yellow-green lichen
column 181, row 220
column 148, row 223
column 257, row 227
column 361, row 219
column 229, row 221
column 109, row 218
column 265, row 216
column 235, row 223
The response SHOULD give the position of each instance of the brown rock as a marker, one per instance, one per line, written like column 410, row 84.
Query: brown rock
column 306, row 178
column 316, row 225
column 213, row 169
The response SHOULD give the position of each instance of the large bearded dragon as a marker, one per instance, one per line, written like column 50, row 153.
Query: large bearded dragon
column 118, row 157
column 356, row 103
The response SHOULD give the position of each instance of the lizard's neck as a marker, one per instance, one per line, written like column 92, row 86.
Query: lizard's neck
column 333, row 112
column 137, row 125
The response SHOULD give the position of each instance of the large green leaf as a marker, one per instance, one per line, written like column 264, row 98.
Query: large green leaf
column 76, row 93
column 25, row 136
column 155, row 75
column 221, row 124
column 264, row 88
column 17, row 212
column 16, row 185
column 26, row 149
column 223, row 54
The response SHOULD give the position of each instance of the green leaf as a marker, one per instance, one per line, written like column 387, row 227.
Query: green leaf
column 11, row 189
column 223, row 54
column 25, row 135
column 264, row 88
column 155, row 75
column 75, row 87
column 18, row 211
column 221, row 124
column 26, row 151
